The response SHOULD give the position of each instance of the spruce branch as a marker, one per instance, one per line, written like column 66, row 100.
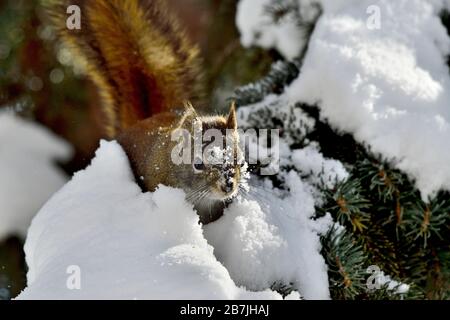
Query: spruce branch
column 425, row 220
column 345, row 259
column 348, row 205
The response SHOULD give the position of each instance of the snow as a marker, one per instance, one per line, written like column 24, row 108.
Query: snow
column 317, row 172
column 133, row 245
column 389, row 87
column 320, row 171
column 258, row 28
column 28, row 174
column 261, row 248
column 391, row 285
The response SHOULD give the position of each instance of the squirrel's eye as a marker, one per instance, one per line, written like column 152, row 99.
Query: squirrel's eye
column 198, row 165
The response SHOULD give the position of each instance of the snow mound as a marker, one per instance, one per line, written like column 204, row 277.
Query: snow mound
column 388, row 86
column 282, row 246
column 28, row 175
column 132, row 245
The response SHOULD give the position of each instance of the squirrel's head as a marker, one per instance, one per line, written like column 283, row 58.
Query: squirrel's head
column 213, row 168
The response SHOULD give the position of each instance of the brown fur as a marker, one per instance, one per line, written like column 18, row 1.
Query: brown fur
column 149, row 146
column 145, row 69
column 135, row 53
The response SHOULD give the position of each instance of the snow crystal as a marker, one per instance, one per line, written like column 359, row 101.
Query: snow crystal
column 391, row 285
column 28, row 174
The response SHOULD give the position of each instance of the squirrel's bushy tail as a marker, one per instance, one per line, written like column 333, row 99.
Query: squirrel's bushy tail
column 135, row 53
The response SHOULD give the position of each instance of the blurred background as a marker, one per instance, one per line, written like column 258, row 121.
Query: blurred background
column 60, row 108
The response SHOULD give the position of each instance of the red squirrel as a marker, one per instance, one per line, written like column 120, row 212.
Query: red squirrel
column 146, row 69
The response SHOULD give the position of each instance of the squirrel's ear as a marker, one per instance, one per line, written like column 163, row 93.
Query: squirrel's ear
column 189, row 114
column 189, row 109
column 232, row 120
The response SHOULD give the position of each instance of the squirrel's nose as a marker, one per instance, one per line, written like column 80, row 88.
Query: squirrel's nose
column 228, row 187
